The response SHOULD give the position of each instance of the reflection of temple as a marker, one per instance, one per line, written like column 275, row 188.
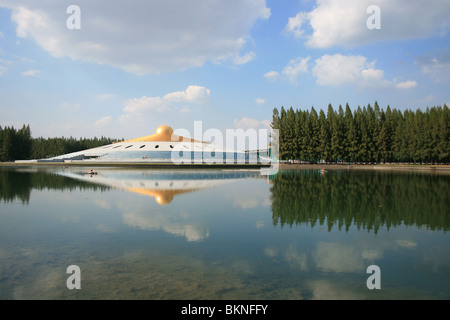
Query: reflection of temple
column 162, row 185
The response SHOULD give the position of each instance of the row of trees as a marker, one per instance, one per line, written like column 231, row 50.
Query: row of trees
column 15, row 144
column 367, row 134
column 18, row 144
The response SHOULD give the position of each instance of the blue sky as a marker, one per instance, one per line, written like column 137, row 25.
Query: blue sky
column 134, row 65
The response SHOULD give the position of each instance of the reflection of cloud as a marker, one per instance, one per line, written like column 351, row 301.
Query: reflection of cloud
column 161, row 221
column 371, row 254
column 102, row 203
column 325, row 290
column 191, row 232
column 246, row 203
column 296, row 259
column 336, row 257
column 104, row 228
column 259, row 224
column 252, row 202
column 406, row 243
column 271, row 252
column 44, row 284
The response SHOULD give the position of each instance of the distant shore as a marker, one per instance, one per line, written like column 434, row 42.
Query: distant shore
column 444, row 169
column 149, row 165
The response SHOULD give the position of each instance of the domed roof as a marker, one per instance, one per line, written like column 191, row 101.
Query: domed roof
column 163, row 133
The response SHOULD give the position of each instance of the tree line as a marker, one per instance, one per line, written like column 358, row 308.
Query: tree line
column 367, row 134
column 18, row 144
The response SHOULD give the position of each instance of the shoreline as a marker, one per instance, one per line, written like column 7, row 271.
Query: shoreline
column 444, row 169
column 148, row 165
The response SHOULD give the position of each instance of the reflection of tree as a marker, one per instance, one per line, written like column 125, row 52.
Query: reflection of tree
column 17, row 185
column 367, row 200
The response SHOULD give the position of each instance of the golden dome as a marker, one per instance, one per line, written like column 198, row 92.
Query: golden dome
column 163, row 133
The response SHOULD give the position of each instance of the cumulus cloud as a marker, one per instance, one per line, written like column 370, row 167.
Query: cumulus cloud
column 4, row 64
column 436, row 66
column 250, row 123
column 249, row 56
column 291, row 71
column 344, row 23
column 105, row 96
column 260, row 101
column 31, row 73
column 142, row 37
column 103, row 121
column 336, row 70
column 339, row 70
column 295, row 67
column 169, row 102
column 192, row 93
column 3, row 69
column 406, row 84
column 272, row 75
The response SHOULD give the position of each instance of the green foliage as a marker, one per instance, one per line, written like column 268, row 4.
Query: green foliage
column 19, row 144
column 367, row 134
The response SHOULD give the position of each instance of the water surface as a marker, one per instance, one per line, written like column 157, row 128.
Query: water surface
column 210, row 234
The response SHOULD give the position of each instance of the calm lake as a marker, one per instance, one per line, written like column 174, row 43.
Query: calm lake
column 212, row 234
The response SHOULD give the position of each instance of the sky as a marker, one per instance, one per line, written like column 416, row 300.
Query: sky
column 120, row 69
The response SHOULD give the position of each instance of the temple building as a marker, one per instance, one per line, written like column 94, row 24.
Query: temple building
column 162, row 147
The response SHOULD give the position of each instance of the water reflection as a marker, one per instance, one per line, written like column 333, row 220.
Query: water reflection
column 223, row 235
column 367, row 200
column 161, row 184
column 17, row 184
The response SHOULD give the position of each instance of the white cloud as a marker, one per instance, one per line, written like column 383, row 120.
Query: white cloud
column 143, row 37
column 291, row 71
column 106, row 96
column 249, row 56
column 436, row 66
column 249, row 123
column 344, row 23
column 339, row 70
column 69, row 106
column 260, row 101
column 295, row 24
column 272, row 75
column 139, row 106
column 103, row 121
column 336, row 70
column 406, row 84
column 295, row 67
column 192, row 94
column 246, row 123
column 31, row 73
column 4, row 64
